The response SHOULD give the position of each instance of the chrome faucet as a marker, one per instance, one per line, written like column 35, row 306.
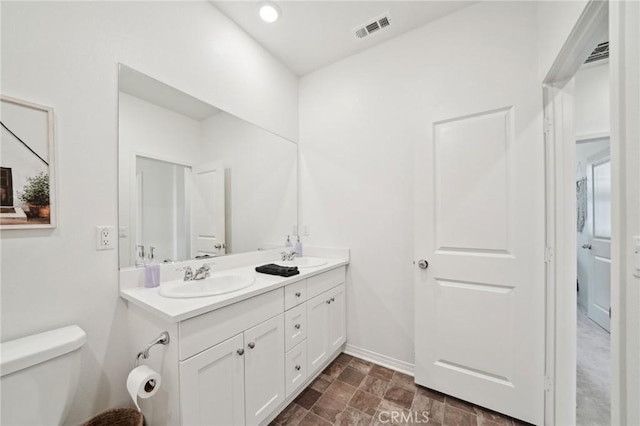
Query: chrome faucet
column 188, row 273
column 202, row 272
column 288, row 255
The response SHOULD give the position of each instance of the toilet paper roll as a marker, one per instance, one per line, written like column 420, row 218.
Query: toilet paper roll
column 143, row 382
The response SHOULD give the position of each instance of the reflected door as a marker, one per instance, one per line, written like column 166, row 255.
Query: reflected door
column 208, row 210
column 600, row 244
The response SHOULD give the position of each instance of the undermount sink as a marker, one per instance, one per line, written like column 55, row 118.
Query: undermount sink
column 212, row 286
column 303, row 262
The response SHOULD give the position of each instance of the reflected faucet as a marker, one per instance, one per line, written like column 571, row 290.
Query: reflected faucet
column 288, row 255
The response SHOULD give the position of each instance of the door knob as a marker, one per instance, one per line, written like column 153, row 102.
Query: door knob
column 586, row 246
column 251, row 345
column 423, row 264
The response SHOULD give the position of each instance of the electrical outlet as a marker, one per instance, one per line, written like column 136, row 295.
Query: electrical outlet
column 295, row 230
column 305, row 230
column 105, row 237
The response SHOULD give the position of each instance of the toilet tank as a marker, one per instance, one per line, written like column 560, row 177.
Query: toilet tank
column 39, row 376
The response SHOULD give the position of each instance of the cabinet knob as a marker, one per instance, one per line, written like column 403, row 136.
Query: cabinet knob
column 328, row 301
column 333, row 299
column 251, row 345
column 297, row 326
column 298, row 294
column 240, row 351
column 297, row 367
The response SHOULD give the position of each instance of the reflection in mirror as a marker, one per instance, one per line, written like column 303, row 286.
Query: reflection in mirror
column 195, row 180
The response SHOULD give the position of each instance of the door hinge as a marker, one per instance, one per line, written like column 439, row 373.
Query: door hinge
column 548, row 254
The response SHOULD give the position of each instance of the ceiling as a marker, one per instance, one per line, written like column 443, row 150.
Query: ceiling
column 312, row 34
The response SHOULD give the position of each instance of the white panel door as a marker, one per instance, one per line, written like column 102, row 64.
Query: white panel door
column 264, row 369
column 600, row 245
column 317, row 332
column 479, row 306
column 212, row 385
column 208, row 210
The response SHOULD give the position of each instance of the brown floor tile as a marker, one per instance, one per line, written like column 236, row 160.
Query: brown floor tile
column 399, row 396
column 313, row 420
column 333, row 370
column 365, row 402
column 340, row 391
column 430, row 393
column 307, row 398
column 381, row 372
column 361, row 365
column 432, row 408
column 351, row 376
column 321, row 383
column 354, row 392
column 328, row 408
column 491, row 418
column 458, row 403
column 403, row 381
column 456, row 417
column 374, row 386
column 291, row 416
column 352, row 417
column 344, row 359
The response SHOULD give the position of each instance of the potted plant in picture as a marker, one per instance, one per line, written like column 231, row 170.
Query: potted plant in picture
column 36, row 195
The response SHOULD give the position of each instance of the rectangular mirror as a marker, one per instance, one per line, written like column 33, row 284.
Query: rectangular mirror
column 196, row 181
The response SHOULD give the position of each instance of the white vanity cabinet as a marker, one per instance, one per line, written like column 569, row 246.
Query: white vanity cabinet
column 326, row 319
column 242, row 363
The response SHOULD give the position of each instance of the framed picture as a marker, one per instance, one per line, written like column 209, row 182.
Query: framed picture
column 27, row 165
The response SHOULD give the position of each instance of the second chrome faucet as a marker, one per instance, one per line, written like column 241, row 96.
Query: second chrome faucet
column 200, row 274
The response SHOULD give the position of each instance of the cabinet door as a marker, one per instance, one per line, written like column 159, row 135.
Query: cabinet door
column 212, row 385
column 337, row 318
column 264, row 369
column 317, row 332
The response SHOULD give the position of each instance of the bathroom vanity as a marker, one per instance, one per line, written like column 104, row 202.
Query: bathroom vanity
column 241, row 357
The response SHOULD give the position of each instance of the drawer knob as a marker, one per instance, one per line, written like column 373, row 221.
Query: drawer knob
column 297, row 367
column 251, row 345
column 240, row 351
column 297, row 326
column 298, row 294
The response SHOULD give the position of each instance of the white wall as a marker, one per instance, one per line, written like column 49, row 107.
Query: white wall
column 591, row 116
column 65, row 55
column 360, row 120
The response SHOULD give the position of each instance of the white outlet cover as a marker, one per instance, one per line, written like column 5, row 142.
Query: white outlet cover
column 105, row 237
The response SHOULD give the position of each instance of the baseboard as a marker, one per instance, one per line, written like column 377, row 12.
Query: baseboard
column 383, row 360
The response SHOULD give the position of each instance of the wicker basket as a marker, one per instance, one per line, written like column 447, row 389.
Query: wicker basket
column 117, row 417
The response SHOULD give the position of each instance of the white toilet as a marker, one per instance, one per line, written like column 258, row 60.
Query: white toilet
column 39, row 376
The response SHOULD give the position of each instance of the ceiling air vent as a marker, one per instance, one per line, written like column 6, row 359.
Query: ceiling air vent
column 372, row 26
column 600, row 52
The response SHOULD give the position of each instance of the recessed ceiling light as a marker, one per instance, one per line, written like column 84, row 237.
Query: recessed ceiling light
column 269, row 12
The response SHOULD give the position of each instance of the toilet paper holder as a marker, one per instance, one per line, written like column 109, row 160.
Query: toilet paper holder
column 162, row 339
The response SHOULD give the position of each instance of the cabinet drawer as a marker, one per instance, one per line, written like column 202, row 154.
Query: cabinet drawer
column 296, row 367
column 202, row 332
column 294, row 294
column 323, row 282
column 295, row 326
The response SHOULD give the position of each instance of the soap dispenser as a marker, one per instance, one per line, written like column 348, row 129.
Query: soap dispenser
column 288, row 243
column 298, row 247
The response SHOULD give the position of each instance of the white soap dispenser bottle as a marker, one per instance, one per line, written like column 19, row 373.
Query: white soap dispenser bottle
column 298, row 247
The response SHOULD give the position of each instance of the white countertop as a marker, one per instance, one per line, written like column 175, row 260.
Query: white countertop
column 175, row 310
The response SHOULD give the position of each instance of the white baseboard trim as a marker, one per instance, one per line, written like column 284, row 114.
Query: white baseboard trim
column 383, row 360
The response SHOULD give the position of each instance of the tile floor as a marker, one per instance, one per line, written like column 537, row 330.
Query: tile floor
column 354, row 392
